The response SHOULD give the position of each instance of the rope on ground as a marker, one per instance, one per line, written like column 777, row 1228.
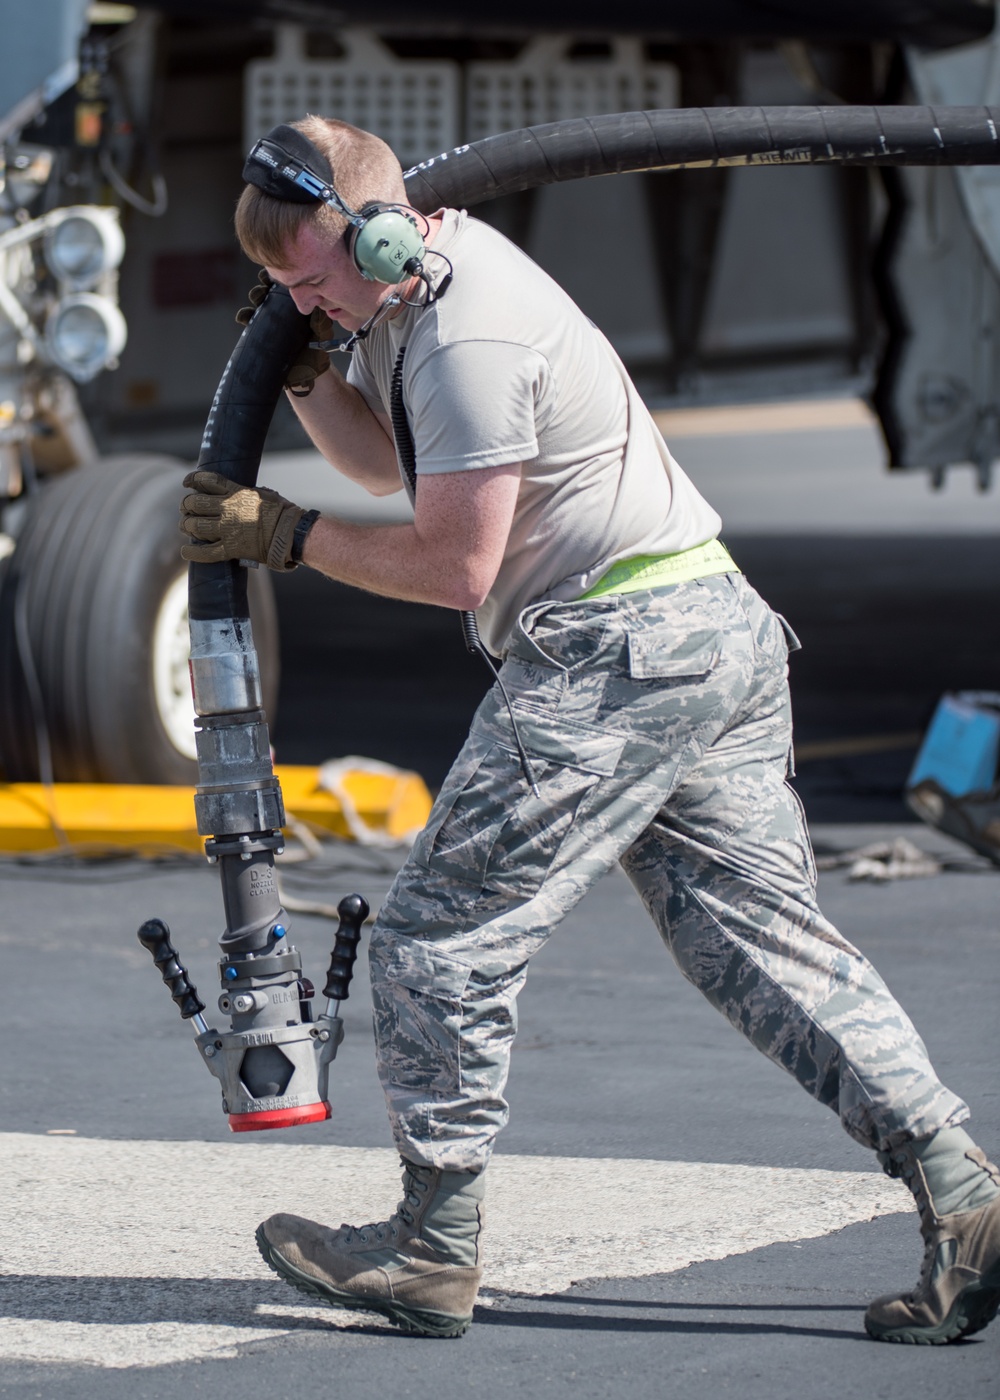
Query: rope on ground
column 882, row 861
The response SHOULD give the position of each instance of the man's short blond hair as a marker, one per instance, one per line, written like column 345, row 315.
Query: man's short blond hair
column 364, row 171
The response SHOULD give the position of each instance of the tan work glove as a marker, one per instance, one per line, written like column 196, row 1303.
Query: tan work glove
column 309, row 364
column 226, row 521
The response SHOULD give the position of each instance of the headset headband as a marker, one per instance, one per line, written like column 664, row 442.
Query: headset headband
column 286, row 165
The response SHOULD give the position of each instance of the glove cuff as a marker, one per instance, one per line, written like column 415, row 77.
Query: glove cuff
column 279, row 553
column 306, row 522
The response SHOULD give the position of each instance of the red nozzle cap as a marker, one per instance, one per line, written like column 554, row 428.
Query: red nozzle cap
column 278, row 1118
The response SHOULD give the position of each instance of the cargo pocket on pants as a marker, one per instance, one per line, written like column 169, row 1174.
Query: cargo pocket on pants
column 498, row 835
column 418, row 1010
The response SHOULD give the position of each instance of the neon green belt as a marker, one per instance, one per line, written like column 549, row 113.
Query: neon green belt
column 656, row 570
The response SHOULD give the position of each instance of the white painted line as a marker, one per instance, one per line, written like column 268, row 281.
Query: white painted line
column 794, row 416
column 125, row 1254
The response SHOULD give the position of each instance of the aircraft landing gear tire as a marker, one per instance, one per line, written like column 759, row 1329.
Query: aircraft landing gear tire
column 96, row 594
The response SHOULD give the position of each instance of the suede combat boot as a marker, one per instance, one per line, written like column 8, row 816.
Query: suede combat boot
column 420, row 1268
column 957, row 1192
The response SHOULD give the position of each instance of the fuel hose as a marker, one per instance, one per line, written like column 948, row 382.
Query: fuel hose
column 690, row 138
column 273, row 1062
column 238, row 799
column 235, row 432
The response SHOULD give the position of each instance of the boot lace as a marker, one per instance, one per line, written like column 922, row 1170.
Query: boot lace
column 382, row 1231
column 900, row 1167
column 926, row 1265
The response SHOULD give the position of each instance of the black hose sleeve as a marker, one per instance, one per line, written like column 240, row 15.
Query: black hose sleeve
column 686, row 137
column 237, row 426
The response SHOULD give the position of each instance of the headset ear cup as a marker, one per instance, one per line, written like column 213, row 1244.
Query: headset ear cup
column 385, row 244
column 352, row 244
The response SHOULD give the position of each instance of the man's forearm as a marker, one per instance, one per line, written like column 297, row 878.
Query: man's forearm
column 450, row 555
column 391, row 560
column 349, row 435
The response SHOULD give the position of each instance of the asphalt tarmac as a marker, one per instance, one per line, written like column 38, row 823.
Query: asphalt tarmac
column 671, row 1214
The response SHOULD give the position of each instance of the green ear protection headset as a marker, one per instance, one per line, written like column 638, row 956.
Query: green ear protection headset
column 384, row 240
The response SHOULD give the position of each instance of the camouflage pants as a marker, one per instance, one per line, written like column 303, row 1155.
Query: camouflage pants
column 658, row 727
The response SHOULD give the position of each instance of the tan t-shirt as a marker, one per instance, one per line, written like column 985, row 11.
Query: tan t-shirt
column 506, row 368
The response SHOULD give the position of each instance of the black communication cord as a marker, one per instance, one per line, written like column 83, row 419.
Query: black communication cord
column 470, row 628
column 433, row 293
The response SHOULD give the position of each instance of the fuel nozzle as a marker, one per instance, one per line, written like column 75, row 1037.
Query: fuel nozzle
column 273, row 1061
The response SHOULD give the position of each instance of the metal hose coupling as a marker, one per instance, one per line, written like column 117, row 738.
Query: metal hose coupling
column 273, row 1062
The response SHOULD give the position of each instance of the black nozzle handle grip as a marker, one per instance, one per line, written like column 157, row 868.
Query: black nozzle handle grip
column 155, row 936
column 353, row 911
